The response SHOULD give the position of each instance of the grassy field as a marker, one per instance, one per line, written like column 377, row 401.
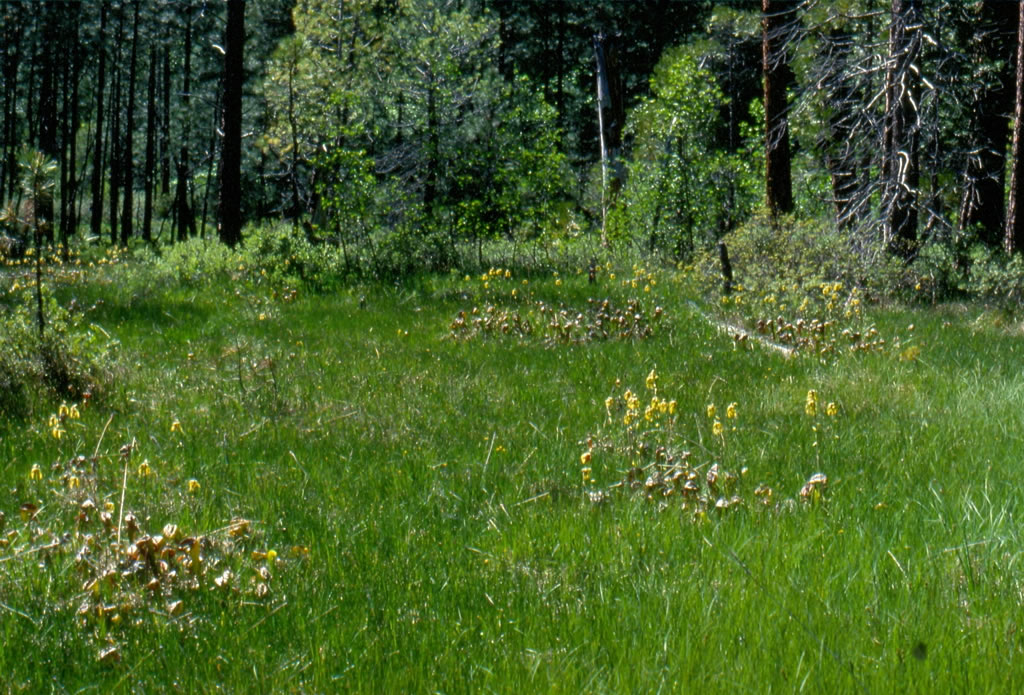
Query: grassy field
column 363, row 491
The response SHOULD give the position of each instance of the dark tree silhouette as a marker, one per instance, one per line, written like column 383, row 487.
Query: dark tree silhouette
column 777, row 17
column 231, row 126
column 1014, row 238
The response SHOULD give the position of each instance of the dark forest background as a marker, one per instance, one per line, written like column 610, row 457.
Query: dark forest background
column 403, row 130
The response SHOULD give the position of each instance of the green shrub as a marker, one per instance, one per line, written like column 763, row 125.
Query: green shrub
column 770, row 257
column 68, row 360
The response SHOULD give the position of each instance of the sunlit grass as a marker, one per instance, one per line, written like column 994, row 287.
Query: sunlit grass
column 434, row 530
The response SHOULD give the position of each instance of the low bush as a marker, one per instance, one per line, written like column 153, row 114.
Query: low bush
column 67, row 359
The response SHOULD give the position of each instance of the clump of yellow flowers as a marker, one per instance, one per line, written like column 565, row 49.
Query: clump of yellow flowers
column 811, row 404
column 65, row 412
column 717, row 428
column 639, row 419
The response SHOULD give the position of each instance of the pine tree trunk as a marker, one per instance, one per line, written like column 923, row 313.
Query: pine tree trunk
column 96, row 214
column 165, row 125
column 841, row 157
column 186, row 218
column 74, row 180
column 610, row 121
column 48, row 117
column 114, row 137
column 903, row 90
column 982, row 202
column 777, row 14
column 231, row 125
column 64, row 188
column 128, row 159
column 150, row 163
column 1014, row 239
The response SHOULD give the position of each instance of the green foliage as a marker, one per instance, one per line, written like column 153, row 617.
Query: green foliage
column 766, row 254
column 964, row 268
column 69, row 359
column 457, row 152
column 197, row 262
column 683, row 192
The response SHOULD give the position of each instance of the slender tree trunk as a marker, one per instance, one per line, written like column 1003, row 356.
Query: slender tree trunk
column 96, row 214
column 841, row 156
column 294, row 128
column 433, row 149
column 610, row 121
column 31, row 96
column 1014, row 239
column 149, row 166
column 776, row 18
column 982, row 203
column 48, row 101
column 209, row 165
column 10, row 52
column 165, row 124
column 64, row 189
column 49, row 68
column 115, row 155
column 69, row 121
column 903, row 90
column 186, row 217
column 74, row 180
column 128, row 161
column 231, row 125
column 5, row 111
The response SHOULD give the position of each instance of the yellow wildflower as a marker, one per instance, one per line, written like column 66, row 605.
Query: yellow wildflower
column 73, row 412
column 811, row 407
column 36, row 473
column 74, row 482
column 144, row 468
column 716, row 429
column 652, row 381
column 193, row 485
column 63, row 410
column 730, row 412
column 585, row 472
column 632, row 402
column 585, row 457
column 831, row 409
column 609, row 402
column 671, row 407
column 711, row 410
column 175, row 426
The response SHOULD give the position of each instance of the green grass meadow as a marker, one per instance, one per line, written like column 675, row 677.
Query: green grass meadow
column 430, row 527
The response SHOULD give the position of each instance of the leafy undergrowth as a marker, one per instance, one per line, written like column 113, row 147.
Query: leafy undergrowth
column 91, row 524
column 48, row 347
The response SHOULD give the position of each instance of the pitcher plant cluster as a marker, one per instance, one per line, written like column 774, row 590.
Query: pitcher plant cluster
column 107, row 529
column 648, row 448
